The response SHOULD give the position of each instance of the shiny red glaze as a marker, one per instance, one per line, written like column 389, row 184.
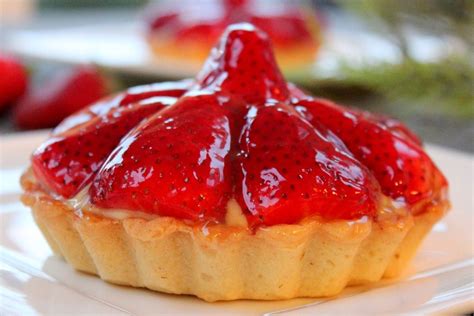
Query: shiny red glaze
column 393, row 125
column 131, row 95
column 296, row 170
column 13, row 80
column 67, row 161
column 174, row 164
column 240, row 131
column 66, row 92
column 243, row 65
column 392, row 152
column 169, row 89
column 80, row 144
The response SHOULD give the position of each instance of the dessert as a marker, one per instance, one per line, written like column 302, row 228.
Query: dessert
column 187, row 30
column 235, row 185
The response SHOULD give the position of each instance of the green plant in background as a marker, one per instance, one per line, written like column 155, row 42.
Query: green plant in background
column 446, row 85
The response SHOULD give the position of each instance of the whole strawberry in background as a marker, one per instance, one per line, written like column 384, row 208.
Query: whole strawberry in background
column 65, row 92
column 13, row 80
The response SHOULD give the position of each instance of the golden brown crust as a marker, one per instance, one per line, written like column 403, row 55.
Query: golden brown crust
column 423, row 223
column 221, row 262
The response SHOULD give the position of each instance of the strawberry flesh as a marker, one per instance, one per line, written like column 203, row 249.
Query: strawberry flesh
column 296, row 171
column 174, row 164
column 243, row 65
column 67, row 161
column 80, row 144
column 392, row 152
column 239, row 132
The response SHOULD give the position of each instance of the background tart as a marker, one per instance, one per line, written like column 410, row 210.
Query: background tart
column 234, row 185
column 187, row 31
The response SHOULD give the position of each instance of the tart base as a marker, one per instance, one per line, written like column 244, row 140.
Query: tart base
column 219, row 262
column 222, row 262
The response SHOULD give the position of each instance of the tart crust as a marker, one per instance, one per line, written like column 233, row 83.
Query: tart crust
column 222, row 262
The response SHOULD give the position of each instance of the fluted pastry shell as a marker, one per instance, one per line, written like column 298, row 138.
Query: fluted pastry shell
column 222, row 262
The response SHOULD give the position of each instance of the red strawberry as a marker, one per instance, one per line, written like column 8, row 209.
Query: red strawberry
column 174, row 164
column 66, row 162
column 13, row 81
column 80, row 144
column 67, row 92
column 235, row 134
column 394, row 126
column 131, row 95
column 170, row 89
column 386, row 147
column 296, row 170
column 243, row 65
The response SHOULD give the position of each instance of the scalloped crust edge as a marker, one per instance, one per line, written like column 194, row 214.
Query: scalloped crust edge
column 219, row 262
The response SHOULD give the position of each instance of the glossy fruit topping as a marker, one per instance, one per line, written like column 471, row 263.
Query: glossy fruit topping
column 175, row 164
column 67, row 161
column 296, row 170
column 392, row 152
column 240, row 132
column 243, row 65
column 165, row 165
column 131, row 95
column 79, row 145
column 48, row 103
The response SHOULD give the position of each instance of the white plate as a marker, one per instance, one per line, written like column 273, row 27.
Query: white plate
column 122, row 47
column 32, row 281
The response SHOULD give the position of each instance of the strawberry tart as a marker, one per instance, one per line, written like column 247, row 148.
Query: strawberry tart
column 187, row 30
column 235, row 185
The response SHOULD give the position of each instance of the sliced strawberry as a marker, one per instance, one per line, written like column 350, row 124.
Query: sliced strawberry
column 131, row 95
column 174, row 164
column 243, row 65
column 56, row 163
column 65, row 163
column 13, row 80
column 239, row 132
column 169, row 89
column 393, row 125
column 65, row 93
column 386, row 147
column 296, row 170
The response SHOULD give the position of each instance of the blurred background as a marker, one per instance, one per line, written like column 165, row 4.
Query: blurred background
column 410, row 59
